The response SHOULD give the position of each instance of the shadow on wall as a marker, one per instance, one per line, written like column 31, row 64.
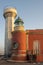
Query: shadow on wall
column 8, row 47
column 30, row 57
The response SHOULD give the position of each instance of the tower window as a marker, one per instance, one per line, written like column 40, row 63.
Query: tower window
column 15, row 45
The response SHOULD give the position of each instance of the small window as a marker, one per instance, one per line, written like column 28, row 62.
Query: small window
column 15, row 45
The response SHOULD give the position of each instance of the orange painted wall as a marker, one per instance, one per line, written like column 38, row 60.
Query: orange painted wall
column 20, row 38
column 36, row 35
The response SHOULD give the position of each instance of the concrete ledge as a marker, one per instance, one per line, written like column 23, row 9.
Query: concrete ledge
column 15, row 61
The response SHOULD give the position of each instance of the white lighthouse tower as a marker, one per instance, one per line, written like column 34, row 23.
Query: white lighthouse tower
column 9, row 15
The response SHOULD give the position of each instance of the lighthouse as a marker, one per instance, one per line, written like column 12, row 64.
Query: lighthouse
column 9, row 15
column 19, row 41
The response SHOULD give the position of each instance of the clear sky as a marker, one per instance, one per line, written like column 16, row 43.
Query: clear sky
column 31, row 11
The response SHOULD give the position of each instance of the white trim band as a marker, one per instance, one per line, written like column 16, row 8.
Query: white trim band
column 20, row 50
column 19, row 55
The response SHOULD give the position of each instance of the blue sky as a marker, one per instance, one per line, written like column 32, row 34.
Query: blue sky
column 31, row 11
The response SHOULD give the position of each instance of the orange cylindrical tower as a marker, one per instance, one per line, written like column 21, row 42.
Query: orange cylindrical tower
column 19, row 41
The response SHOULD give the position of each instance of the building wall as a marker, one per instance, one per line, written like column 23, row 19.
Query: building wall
column 31, row 40
column 36, row 36
column 20, row 38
